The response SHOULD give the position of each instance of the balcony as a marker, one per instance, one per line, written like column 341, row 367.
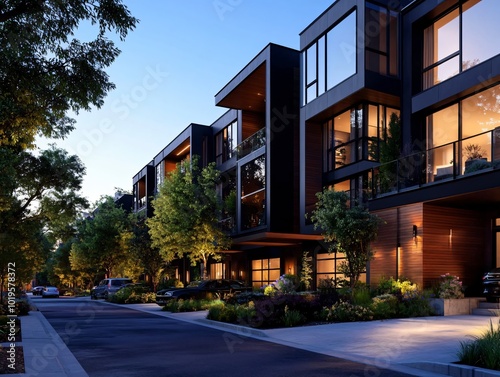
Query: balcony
column 251, row 144
column 472, row 155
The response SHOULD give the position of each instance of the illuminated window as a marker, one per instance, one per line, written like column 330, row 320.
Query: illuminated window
column 463, row 132
column 354, row 135
column 265, row 271
column 328, row 267
column 217, row 271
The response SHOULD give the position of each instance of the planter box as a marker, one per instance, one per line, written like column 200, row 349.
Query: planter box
column 454, row 306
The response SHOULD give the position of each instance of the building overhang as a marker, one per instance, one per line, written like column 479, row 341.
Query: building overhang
column 245, row 91
column 275, row 239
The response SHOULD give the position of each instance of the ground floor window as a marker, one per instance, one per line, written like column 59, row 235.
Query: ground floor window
column 327, row 267
column 217, row 271
column 265, row 271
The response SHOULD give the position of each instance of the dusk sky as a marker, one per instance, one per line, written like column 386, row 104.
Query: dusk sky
column 171, row 66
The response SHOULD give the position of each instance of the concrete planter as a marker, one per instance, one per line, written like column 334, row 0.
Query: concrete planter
column 454, row 306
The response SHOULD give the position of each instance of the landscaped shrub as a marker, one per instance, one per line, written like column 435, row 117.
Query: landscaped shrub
column 191, row 305
column 362, row 296
column 283, row 285
column 416, row 306
column 244, row 297
column 385, row 306
column 220, row 311
column 293, row 317
column 482, row 351
column 134, row 294
column 450, row 287
column 344, row 311
column 399, row 287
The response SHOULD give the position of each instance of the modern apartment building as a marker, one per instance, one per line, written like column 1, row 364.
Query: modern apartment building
column 420, row 76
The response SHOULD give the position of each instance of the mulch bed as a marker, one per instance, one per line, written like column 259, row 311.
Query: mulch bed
column 6, row 366
column 5, row 331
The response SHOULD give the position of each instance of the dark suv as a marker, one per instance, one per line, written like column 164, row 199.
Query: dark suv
column 491, row 285
column 107, row 287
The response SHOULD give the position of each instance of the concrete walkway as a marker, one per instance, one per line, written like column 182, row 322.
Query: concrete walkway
column 422, row 347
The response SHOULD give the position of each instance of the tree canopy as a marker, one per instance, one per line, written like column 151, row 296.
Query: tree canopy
column 45, row 71
column 39, row 197
column 348, row 229
column 186, row 215
column 98, row 247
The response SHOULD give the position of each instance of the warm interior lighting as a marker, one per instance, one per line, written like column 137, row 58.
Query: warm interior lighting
column 183, row 150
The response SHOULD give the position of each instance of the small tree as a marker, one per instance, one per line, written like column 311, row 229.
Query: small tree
column 186, row 215
column 306, row 271
column 348, row 229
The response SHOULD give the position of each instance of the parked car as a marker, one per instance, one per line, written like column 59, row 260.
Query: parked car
column 205, row 289
column 107, row 287
column 50, row 292
column 37, row 291
column 491, row 285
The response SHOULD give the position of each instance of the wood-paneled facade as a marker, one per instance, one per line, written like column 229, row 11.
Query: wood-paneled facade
column 430, row 229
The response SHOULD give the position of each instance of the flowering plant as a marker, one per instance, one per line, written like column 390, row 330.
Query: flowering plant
column 450, row 287
column 284, row 284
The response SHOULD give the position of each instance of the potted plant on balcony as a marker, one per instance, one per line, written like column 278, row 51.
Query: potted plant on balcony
column 475, row 159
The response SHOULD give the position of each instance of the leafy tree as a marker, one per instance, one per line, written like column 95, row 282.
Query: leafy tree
column 348, row 229
column 186, row 215
column 390, row 151
column 98, row 247
column 39, row 197
column 138, row 241
column 45, row 72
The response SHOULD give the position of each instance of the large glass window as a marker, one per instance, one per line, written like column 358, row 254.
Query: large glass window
column 226, row 142
column 331, row 59
column 341, row 51
column 328, row 267
column 253, row 193
column 381, row 30
column 455, row 42
column 265, row 271
column 463, row 132
column 354, row 135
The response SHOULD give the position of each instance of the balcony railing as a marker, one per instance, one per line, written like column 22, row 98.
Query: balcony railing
column 480, row 152
column 251, row 144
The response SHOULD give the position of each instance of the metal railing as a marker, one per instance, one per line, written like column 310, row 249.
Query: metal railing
column 473, row 154
column 251, row 144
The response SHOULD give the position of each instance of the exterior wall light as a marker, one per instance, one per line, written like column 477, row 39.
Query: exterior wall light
column 415, row 231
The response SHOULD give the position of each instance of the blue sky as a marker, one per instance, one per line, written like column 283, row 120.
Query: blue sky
column 171, row 66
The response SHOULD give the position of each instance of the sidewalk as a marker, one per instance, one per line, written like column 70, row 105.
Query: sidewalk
column 424, row 347
column 45, row 353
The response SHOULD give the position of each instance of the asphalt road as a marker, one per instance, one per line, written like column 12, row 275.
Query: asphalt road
column 115, row 341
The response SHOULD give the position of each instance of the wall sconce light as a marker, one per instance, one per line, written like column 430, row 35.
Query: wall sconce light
column 415, row 231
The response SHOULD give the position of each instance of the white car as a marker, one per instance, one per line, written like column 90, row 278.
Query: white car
column 50, row 292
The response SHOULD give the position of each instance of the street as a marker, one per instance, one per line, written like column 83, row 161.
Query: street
column 111, row 340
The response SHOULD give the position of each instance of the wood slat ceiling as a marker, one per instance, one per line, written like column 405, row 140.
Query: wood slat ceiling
column 250, row 94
